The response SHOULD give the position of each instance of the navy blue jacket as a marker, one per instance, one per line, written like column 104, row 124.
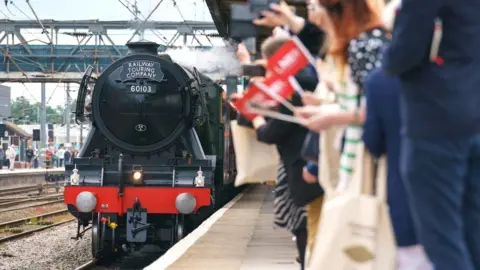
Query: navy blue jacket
column 441, row 100
column 381, row 134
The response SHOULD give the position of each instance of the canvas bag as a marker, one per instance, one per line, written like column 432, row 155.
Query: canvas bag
column 256, row 162
column 355, row 231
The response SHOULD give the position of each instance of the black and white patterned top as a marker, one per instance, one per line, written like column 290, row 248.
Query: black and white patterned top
column 364, row 54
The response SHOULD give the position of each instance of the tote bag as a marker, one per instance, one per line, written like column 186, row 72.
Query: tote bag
column 256, row 162
column 355, row 231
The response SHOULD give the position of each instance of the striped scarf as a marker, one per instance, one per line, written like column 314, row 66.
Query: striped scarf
column 349, row 99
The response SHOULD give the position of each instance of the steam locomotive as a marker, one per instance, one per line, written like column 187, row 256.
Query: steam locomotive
column 152, row 166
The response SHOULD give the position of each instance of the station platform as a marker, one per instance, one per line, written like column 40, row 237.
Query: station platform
column 6, row 171
column 239, row 236
column 26, row 177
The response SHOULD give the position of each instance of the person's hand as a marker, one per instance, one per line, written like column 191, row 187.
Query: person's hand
column 320, row 121
column 306, row 112
column 309, row 98
column 279, row 15
column 318, row 15
column 308, row 177
column 280, row 32
column 258, row 121
column 261, row 62
column 243, row 55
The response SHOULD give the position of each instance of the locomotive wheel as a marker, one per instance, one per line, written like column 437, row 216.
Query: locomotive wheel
column 179, row 228
column 96, row 236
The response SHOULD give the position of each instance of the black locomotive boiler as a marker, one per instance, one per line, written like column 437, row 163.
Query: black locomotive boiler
column 153, row 165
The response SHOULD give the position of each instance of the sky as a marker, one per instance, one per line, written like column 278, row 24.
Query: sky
column 103, row 10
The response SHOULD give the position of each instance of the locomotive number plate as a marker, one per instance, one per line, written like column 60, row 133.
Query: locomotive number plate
column 141, row 89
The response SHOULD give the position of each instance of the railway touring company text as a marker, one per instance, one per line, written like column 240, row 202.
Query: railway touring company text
column 141, row 69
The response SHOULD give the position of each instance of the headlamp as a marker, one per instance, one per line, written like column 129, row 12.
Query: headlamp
column 137, row 174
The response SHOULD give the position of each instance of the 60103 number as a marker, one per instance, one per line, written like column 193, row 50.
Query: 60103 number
column 141, row 89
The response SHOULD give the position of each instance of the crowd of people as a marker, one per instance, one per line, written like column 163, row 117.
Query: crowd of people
column 51, row 157
column 403, row 91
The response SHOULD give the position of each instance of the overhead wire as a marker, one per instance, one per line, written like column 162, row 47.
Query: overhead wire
column 11, row 56
column 26, row 30
column 185, row 21
column 58, row 84
column 163, row 38
column 45, row 31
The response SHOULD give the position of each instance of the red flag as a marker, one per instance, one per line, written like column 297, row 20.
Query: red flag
column 279, row 86
column 290, row 59
column 252, row 95
column 265, row 94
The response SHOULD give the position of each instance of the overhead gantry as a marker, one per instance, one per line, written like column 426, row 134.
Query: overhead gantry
column 50, row 61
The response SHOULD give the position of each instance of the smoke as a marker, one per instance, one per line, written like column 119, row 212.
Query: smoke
column 216, row 62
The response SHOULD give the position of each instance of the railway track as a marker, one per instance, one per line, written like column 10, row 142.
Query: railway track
column 25, row 226
column 56, row 200
column 87, row 266
column 25, row 189
column 14, row 202
column 136, row 260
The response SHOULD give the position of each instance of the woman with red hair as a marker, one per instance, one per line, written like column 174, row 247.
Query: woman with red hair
column 357, row 38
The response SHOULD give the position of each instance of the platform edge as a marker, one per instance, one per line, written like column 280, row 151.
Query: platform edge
column 177, row 251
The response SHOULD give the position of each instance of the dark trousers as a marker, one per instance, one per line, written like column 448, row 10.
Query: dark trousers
column 442, row 178
column 301, row 241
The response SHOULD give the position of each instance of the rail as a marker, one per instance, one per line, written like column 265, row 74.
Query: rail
column 16, row 232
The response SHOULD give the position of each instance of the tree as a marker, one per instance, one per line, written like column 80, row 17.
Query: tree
column 25, row 112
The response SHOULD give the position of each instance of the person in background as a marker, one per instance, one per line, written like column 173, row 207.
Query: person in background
column 60, row 156
column 67, row 156
column 29, row 155
column 35, row 158
column 74, row 153
column 440, row 161
column 11, row 154
column 2, row 157
column 48, row 157
column 54, row 162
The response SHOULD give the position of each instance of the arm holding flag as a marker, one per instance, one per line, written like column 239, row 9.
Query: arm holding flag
column 275, row 131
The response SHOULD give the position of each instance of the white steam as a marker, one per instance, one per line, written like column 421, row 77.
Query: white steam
column 216, row 62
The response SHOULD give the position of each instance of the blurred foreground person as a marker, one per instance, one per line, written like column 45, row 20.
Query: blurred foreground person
column 358, row 35
column 441, row 118
column 381, row 135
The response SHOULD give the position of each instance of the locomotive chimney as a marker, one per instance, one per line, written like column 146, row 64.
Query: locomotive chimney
column 147, row 47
